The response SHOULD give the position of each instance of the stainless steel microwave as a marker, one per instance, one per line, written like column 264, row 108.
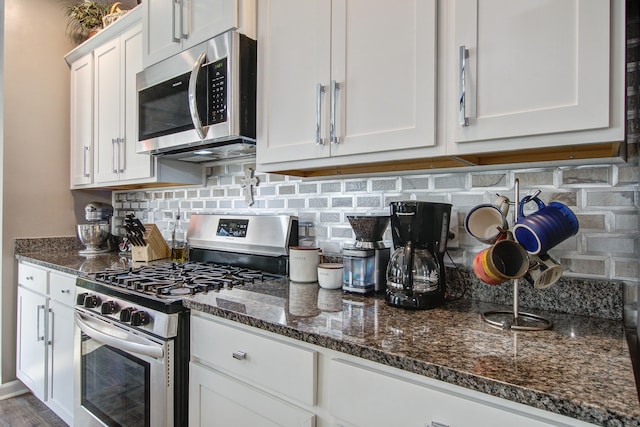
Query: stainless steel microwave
column 200, row 105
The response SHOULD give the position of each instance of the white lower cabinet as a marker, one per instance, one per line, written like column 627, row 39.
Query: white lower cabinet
column 216, row 399
column 31, row 367
column 45, row 336
column 385, row 399
column 244, row 376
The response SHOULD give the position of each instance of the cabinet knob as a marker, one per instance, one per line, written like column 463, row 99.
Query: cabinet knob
column 65, row 291
column 29, row 277
column 239, row 355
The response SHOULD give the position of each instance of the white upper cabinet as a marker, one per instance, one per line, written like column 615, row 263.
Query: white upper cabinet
column 172, row 26
column 345, row 78
column 532, row 68
column 82, row 120
column 116, row 65
column 104, row 114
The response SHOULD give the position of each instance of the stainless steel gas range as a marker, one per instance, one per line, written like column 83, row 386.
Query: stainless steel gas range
column 133, row 332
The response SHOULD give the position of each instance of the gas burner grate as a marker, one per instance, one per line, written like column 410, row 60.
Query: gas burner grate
column 173, row 281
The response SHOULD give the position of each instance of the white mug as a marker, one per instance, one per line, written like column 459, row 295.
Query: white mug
column 303, row 264
column 544, row 272
column 485, row 221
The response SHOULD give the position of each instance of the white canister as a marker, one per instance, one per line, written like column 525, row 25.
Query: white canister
column 330, row 275
column 303, row 264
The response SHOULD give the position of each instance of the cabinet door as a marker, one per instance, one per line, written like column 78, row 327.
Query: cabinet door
column 132, row 165
column 417, row 405
column 61, row 332
column 107, row 111
column 31, row 345
column 81, row 120
column 216, row 399
column 162, row 35
column 293, row 59
column 204, row 19
column 383, row 58
column 534, row 67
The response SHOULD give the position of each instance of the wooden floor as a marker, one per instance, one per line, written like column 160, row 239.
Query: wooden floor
column 27, row 411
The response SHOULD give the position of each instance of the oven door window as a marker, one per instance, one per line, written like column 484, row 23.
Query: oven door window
column 115, row 384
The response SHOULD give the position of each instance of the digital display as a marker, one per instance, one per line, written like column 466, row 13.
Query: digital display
column 232, row 227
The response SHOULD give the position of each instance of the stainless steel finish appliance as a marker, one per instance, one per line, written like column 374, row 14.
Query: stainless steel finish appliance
column 95, row 233
column 132, row 331
column 416, row 274
column 200, row 105
column 365, row 263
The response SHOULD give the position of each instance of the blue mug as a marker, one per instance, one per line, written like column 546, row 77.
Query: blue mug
column 545, row 228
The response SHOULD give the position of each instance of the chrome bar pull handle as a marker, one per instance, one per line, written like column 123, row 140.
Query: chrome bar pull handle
column 50, row 333
column 319, row 93
column 335, row 87
column 39, row 338
column 463, row 120
column 176, row 4
column 239, row 355
column 185, row 19
column 114, row 155
column 121, row 155
column 85, row 169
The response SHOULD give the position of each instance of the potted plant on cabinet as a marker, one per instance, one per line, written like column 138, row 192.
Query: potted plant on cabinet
column 85, row 18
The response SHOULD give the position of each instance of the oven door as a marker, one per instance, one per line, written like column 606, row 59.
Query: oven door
column 122, row 376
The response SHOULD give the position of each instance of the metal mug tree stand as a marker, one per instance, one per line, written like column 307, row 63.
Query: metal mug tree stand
column 515, row 320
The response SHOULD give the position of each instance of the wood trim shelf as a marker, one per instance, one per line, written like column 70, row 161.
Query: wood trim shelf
column 613, row 151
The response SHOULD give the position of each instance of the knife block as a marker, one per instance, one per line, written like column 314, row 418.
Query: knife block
column 156, row 247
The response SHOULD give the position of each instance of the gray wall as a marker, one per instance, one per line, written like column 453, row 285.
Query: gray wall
column 36, row 196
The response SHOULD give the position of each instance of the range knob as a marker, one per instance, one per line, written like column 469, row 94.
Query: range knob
column 91, row 301
column 125, row 314
column 80, row 298
column 109, row 307
column 139, row 318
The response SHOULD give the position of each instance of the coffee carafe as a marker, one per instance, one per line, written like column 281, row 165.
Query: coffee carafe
column 415, row 274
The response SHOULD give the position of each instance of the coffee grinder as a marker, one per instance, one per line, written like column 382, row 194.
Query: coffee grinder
column 415, row 275
column 366, row 261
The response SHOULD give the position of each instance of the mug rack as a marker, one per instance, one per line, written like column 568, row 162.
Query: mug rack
column 516, row 320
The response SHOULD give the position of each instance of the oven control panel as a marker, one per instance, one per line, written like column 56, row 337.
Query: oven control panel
column 122, row 312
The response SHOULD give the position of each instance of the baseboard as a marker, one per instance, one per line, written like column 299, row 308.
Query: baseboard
column 12, row 389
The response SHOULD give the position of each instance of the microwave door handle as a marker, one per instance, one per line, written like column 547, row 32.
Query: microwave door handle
column 193, row 105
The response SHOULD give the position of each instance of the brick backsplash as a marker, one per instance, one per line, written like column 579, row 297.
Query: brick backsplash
column 607, row 246
column 604, row 197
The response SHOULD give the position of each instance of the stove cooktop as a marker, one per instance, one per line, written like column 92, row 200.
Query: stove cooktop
column 162, row 286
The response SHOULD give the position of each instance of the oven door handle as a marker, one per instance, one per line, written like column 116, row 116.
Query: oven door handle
column 146, row 350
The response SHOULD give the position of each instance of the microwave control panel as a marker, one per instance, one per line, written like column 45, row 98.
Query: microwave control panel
column 217, row 74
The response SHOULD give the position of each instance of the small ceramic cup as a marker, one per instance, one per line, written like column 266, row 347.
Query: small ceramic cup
column 487, row 222
column 303, row 264
column 544, row 271
column 330, row 275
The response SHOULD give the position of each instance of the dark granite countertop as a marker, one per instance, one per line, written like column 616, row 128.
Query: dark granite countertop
column 580, row 368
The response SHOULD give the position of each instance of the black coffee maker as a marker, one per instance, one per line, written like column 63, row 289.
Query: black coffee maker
column 415, row 274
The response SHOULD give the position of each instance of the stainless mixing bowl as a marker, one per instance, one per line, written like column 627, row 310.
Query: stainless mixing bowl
column 94, row 236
